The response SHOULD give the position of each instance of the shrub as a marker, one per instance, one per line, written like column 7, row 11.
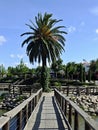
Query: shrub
column 57, row 85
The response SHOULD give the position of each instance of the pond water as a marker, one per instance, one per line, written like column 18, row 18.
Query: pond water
column 81, row 122
column 1, row 91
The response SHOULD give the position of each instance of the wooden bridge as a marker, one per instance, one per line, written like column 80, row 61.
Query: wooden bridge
column 47, row 115
column 47, row 111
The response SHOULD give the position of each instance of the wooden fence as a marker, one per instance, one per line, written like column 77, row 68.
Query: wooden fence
column 78, row 90
column 71, row 113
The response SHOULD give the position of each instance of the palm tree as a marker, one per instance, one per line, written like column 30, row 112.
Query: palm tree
column 45, row 42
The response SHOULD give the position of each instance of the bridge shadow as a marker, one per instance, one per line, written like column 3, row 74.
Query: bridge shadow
column 58, row 116
column 38, row 118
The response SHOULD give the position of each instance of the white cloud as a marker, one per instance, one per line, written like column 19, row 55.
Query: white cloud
column 2, row 40
column 71, row 29
column 97, row 30
column 19, row 56
column 94, row 11
column 12, row 55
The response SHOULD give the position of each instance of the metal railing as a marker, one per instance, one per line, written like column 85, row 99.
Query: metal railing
column 71, row 113
column 17, row 118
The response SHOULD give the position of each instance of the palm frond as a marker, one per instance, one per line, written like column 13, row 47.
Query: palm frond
column 45, row 41
column 27, row 33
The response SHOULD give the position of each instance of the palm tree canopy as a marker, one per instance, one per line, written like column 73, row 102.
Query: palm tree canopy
column 45, row 41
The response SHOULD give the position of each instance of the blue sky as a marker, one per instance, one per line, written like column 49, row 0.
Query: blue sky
column 79, row 16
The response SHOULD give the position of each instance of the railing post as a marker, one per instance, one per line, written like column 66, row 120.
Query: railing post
column 67, row 90
column 65, row 108
column 34, row 103
column 31, row 106
column 78, row 91
column 6, row 126
column 87, row 127
column 76, row 124
column 70, row 115
column 35, row 100
column 87, row 91
column 93, row 90
column 63, row 104
column 96, row 89
column 20, row 120
column 26, row 112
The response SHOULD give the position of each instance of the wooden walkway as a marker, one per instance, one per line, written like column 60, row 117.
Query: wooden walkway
column 47, row 115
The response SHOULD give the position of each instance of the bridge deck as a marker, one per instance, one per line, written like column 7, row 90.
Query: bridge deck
column 47, row 115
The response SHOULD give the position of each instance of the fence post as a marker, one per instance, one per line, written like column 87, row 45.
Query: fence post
column 6, row 126
column 78, row 91
column 35, row 100
column 65, row 108
column 87, row 127
column 20, row 120
column 67, row 90
column 70, row 115
column 87, row 91
column 26, row 112
column 76, row 124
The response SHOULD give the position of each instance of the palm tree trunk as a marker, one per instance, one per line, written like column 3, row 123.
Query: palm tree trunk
column 43, row 74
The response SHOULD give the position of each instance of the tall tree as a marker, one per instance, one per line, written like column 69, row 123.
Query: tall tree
column 93, row 69
column 57, row 66
column 81, row 72
column 45, row 42
column 71, row 69
column 2, row 70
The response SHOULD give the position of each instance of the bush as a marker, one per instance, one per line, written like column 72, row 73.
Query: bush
column 57, row 85
column 3, row 95
column 45, row 78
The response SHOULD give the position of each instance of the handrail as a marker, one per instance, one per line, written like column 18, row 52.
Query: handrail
column 19, row 116
column 67, row 107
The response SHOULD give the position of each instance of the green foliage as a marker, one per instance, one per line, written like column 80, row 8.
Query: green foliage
column 20, row 70
column 60, row 80
column 20, row 98
column 57, row 85
column 47, row 90
column 57, row 65
column 84, row 75
column 2, row 96
column 89, row 75
column 2, row 71
column 71, row 69
column 45, row 78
